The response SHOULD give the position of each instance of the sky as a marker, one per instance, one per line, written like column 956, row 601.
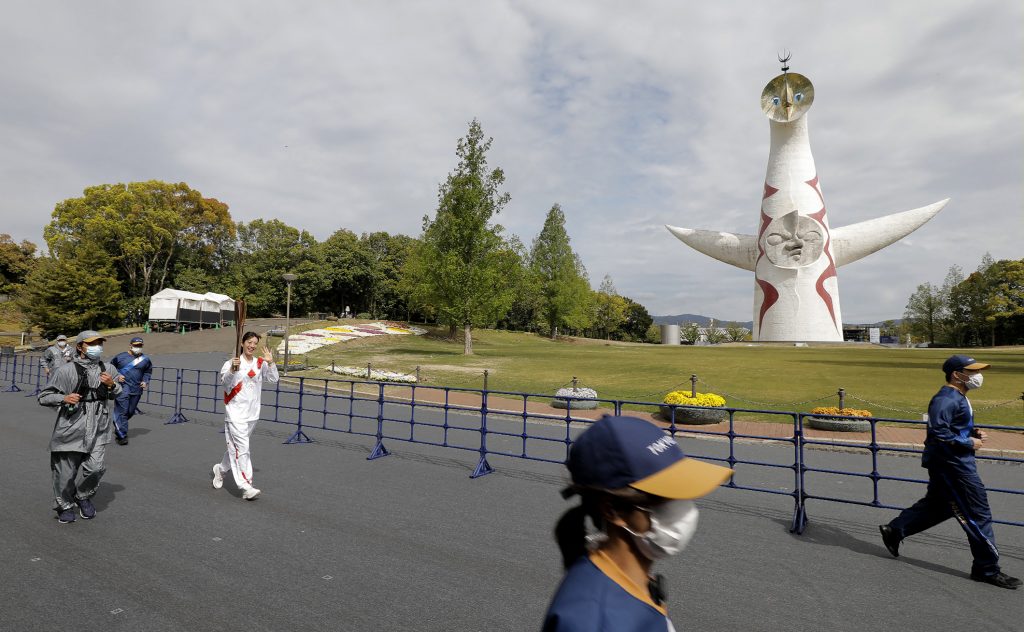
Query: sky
column 331, row 115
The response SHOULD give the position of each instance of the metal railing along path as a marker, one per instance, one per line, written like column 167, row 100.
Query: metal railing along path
column 516, row 425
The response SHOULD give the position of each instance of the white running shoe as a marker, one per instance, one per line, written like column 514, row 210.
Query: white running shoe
column 218, row 477
column 250, row 493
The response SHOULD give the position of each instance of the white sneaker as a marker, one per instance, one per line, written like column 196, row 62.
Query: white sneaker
column 250, row 493
column 218, row 477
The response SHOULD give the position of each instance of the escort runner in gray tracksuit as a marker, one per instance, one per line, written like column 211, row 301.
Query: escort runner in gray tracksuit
column 83, row 427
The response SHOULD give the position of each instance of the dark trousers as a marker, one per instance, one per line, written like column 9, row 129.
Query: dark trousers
column 955, row 491
column 124, row 409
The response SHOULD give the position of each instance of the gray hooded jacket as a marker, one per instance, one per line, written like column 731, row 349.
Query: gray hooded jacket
column 81, row 427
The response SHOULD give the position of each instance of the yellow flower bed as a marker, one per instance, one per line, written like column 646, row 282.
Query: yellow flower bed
column 826, row 411
column 682, row 398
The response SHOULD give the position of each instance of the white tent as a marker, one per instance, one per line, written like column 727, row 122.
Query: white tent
column 179, row 306
column 225, row 304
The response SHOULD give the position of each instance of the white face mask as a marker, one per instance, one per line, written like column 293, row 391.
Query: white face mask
column 136, row 350
column 974, row 381
column 62, row 343
column 94, row 352
column 672, row 526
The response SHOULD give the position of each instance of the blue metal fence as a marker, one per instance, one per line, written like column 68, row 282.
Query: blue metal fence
column 501, row 423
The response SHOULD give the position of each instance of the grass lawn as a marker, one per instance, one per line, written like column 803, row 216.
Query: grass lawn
column 897, row 382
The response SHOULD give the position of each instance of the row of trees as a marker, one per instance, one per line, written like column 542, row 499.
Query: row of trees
column 985, row 307
column 115, row 246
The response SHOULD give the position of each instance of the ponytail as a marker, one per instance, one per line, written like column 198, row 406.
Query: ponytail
column 571, row 535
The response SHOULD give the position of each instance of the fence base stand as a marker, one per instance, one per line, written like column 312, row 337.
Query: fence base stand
column 298, row 437
column 35, row 392
column 13, row 388
column 177, row 418
column 378, row 451
column 482, row 468
column 799, row 520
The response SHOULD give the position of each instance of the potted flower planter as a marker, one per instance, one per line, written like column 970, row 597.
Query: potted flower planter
column 580, row 398
column 838, row 425
column 693, row 416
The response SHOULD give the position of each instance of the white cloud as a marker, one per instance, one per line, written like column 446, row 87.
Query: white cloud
column 346, row 114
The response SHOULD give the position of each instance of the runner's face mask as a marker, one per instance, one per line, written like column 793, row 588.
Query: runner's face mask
column 94, row 352
column 672, row 526
column 136, row 350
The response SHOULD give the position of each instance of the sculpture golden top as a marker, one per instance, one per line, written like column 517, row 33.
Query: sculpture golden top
column 787, row 97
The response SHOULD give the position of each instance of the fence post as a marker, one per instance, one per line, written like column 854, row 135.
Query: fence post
column 574, row 381
column 800, row 506
column 298, row 436
column 369, row 369
column 483, row 467
column 178, row 417
column 39, row 381
column 418, row 377
column 693, row 385
column 13, row 388
column 379, row 450
column 842, row 400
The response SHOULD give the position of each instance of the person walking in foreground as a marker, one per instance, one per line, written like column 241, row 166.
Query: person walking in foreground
column 637, row 487
column 243, row 378
column 82, row 391
column 135, row 369
column 954, row 487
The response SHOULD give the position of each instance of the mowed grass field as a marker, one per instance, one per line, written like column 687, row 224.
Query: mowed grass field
column 893, row 383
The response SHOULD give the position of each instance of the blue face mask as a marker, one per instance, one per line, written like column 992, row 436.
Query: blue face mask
column 94, row 352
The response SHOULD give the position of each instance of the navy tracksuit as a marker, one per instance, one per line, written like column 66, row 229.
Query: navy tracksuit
column 136, row 370
column 954, row 487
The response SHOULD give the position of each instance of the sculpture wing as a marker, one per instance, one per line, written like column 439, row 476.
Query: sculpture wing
column 856, row 241
column 736, row 250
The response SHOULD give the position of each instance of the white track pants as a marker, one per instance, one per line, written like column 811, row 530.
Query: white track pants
column 236, row 457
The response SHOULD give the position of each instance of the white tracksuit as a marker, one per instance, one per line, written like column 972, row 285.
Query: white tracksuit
column 242, row 390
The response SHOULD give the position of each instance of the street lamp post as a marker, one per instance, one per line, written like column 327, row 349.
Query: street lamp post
column 289, row 277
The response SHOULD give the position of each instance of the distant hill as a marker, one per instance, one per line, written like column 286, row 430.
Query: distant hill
column 703, row 321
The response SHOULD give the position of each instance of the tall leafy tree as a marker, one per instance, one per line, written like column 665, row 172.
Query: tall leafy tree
column 954, row 325
column 267, row 249
column 463, row 264
column 560, row 278
column 68, row 295
column 16, row 261
column 636, row 322
column 143, row 227
column 925, row 311
column 609, row 308
column 1006, row 286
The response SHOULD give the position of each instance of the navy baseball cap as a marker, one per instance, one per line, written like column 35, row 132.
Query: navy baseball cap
column 618, row 452
column 135, row 341
column 961, row 362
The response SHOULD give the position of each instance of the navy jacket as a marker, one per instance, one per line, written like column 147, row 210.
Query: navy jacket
column 595, row 596
column 135, row 369
column 950, row 424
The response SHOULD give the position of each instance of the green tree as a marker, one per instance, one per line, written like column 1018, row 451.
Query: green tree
column 463, row 263
column 560, row 278
column 69, row 295
column 690, row 333
column 385, row 255
column 609, row 308
column 734, row 332
column 1006, row 298
column 925, row 312
column 16, row 261
column 266, row 250
column 636, row 323
column 954, row 324
column 142, row 227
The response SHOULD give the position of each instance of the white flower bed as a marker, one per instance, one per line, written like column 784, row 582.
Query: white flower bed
column 581, row 398
column 316, row 338
column 375, row 374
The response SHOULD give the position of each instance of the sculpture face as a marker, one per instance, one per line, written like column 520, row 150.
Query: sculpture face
column 794, row 241
column 787, row 97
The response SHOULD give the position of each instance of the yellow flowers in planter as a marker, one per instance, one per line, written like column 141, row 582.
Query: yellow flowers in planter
column 827, row 411
column 682, row 398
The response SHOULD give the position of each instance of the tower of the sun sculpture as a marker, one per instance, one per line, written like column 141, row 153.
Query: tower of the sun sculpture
column 794, row 255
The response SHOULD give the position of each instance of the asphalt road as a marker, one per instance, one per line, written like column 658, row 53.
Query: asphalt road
column 410, row 542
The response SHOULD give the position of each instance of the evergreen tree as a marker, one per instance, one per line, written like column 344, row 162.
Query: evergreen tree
column 561, row 279
column 69, row 295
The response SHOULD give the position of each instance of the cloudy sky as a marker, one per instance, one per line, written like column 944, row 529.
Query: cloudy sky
column 631, row 115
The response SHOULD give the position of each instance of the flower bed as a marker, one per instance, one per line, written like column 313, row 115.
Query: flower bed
column 824, row 419
column 676, row 408
column 375, row 374
column 307, row 341
column 578, row 398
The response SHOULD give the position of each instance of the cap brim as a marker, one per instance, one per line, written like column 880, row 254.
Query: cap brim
column 977, row 366
column 684, row 480
column 93, row 339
